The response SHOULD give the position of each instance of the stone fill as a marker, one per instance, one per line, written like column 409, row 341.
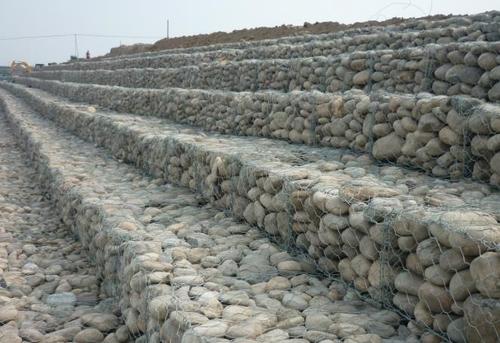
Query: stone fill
column 318, row 188
column 449, row 137
column 48, row 284
column 440, row 68
column 290, row 192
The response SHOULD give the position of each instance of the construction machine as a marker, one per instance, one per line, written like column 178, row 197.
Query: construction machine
column 20, row 67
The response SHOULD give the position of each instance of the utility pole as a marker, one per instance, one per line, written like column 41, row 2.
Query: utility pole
column 76, row 45
column 168, row 29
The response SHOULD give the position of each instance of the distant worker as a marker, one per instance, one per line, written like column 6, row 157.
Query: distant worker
column 88, row 55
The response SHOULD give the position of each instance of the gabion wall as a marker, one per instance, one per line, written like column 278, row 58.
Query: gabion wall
column 486, row 23
column 458, row 68
column 287, row 49
column 423, row 252
column 452, row 137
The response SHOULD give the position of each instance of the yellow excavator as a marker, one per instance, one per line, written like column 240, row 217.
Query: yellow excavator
column 20, row 68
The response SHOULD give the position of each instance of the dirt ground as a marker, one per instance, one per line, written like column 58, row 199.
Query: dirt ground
column 252, row 34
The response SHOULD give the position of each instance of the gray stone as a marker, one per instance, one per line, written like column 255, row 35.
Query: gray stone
column 66, row 298
column 462, row 73
column 89, row 336
column 388, row 147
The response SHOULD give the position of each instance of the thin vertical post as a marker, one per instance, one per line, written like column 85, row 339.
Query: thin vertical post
column 168, row 28
column 76, row 45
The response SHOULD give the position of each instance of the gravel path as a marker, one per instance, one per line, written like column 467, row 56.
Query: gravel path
column 48, row 288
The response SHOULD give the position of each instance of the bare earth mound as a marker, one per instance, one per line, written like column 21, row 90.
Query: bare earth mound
column 254, row 34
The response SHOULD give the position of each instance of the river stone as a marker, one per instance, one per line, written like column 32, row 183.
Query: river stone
column 494, row 143
column 65, row 298
column 422, row 314
column 344, row 330
column 479, row 121
column 388, row 147
column 454, row 260
column 358, row 221
column 430, row 123
column 462, row 285
column 89, row 336
column 289, row 267
column 276, row 335
column 31, row 334
column 361, row 78
column 103, row 322
column 495, row 73
column 158, row 307
column 405, row 302
column 437, row 275
column 482, row 317
column 346, row 271
column 456, row 121
column 213, row 328
column 487, row 60
column 462, row 73
column 456, row 57
column 336, row 205
column 318, row 321
column 494, row 92
column 381, row 275
column 237, row 297
column 437, row 299
column 361, row 265
column 9, row 333
column 495, row 163
column 407, row 282
column 440, row 72
column 8, row 313
column 363, row 190
column 468, row 229
column 295, row 301
column 249, row 328
column 210, row 305
column 351, row 237
column 485, row 270
column 456, row 332
column 334, row 222
column 450, row 137
column 411, row 225
column 413, row 264
column 407, row 243
column 428, row 252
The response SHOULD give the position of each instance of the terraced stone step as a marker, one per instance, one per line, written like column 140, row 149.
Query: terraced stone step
column 456, row 68
column 185, row 271
column 486, row 22
column 450, row 137
column 49, row 291
column 396, row 235
column 374, row 41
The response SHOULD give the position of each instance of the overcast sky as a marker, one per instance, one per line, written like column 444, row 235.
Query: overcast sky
column 187, row 17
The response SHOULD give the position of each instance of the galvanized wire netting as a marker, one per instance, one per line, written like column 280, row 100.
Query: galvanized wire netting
column 413, row 244
column 378, row 197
